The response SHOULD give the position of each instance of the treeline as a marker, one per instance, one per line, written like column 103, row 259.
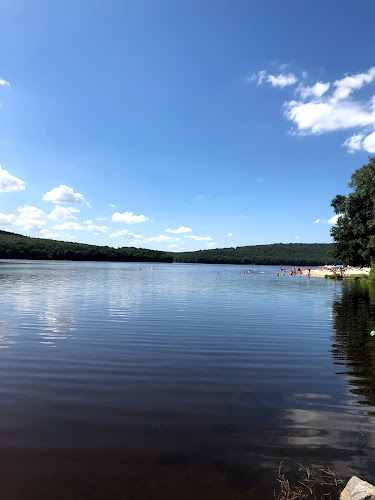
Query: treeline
column 14, row 246
column 295, row 254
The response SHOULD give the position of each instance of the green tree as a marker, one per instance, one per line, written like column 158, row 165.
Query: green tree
column 354, row 232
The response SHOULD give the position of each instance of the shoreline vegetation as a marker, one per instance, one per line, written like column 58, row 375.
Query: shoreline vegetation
column 16, row 246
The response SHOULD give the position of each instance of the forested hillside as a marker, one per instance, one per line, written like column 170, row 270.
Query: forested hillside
column 8, row 233
column 13, row 246
column 22, row 247
column 303, row 254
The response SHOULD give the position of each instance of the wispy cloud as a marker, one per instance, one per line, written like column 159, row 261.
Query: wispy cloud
column 281, row 80
column 4, row 82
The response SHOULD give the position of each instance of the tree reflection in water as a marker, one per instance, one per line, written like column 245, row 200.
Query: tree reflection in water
column 354, row 347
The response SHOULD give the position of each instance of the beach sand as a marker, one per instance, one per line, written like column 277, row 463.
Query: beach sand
column 350, row 271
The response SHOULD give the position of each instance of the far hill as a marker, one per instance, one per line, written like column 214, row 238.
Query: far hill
column 14, row 246
column 290, row 254
column 8, row 233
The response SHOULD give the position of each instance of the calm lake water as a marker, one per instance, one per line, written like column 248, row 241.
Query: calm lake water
column 184, row 382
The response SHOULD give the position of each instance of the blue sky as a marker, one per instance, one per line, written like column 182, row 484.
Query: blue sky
column 233, row 123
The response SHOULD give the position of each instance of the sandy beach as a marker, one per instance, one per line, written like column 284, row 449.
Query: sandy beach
column 347, row 271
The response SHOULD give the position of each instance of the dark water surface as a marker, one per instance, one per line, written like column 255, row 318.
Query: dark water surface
column 183, row 382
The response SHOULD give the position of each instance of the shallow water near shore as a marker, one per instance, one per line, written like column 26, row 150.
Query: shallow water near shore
column 183, row 382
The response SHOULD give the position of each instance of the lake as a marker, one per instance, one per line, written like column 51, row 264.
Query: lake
column 188, row 381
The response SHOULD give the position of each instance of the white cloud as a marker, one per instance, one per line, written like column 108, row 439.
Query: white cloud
column 331, row 106
column 198, row 238
column 229, row 235
column 57, row 236
column 172, row 246
column 31, row 226
column 161, row 237
column 126, row 234
column 345, row 86
column 181, row 229
column 211, row 245
column 10, row 183
column 358, row 142
column 369, row 143
column 318, row 116
column 6, row 220
column 47, row 234
column 63, row 194
column 101, row 219
column 4, row 82
column 69, row 226
column 281, row 80
column 93, row 227
column 354, row 143
column 31, row 213
column 297, row 237
column 30, row 218
column 139, row 239
column 76, row 226
column 63, row 214
column 332, row 220
column 129, row 218
column 112, row 206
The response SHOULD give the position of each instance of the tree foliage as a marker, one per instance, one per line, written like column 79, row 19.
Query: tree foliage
column 354, row 232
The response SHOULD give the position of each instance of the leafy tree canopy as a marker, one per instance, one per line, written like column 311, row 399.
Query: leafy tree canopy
column 354, row 232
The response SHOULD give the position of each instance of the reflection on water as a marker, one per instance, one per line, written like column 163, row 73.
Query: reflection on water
column 184, row 382
column 354, row 348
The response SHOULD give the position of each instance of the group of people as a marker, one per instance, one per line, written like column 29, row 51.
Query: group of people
column 293, row 271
